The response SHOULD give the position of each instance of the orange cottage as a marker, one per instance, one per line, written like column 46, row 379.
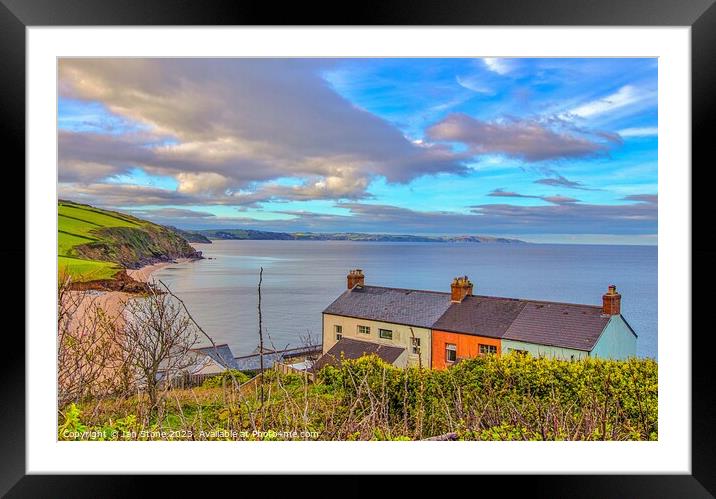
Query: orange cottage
column 448, row 347
column 470, row 327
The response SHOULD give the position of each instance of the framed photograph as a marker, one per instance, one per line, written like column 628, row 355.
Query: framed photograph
column 451, row 241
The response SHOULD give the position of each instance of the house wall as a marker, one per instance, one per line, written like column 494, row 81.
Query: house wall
column 467, row 345
column 401, row 337
column 543, row 350
column 616, row 342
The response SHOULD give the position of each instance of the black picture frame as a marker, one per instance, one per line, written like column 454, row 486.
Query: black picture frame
column 700, row 15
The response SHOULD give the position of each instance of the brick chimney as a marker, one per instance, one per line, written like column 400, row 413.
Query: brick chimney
column 460, row 288
column 611, row 301
column 355, row 277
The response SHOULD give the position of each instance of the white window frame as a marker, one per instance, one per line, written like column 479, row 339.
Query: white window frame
column 364, row 330
column 489, row 347
column 415, row 345
column 448, row 349
column 381, row 331
column 338, row 331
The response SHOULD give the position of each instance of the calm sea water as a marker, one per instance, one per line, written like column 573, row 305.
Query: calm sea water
column 302, row 277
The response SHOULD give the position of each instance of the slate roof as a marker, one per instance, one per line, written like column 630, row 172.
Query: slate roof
column 481, row 315
column 347, row 348
column 221, row 354
column 252, row 362
column 564, row 325
column 399, row 306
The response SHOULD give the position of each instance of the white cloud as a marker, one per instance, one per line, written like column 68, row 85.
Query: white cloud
column 474, row 84
column 220, row 126
column 623, row 97
column 196, row 183
column 496, row 65
column 639, row 132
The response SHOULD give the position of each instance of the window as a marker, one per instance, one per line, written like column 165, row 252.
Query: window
column 485, row 349
column 518, row 351
column 386, row 334
column 364, row 329
column 415, row 344
column 450, row 352
column 339, row 331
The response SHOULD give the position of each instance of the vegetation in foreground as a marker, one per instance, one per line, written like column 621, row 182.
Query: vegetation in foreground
column 509, row 398
column 95, row 244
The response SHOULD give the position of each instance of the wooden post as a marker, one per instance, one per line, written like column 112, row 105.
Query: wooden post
column 261, row 339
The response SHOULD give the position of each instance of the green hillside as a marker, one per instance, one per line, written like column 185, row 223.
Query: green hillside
column 94, row 244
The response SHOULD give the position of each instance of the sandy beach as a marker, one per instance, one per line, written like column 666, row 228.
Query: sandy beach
column 144, row 274
column 113, row 302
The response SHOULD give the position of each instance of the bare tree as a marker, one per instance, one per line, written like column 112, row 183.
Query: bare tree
column 308, row 342
column 84, row 345
column 261, row 337
column 157, row 339
column 420, row 350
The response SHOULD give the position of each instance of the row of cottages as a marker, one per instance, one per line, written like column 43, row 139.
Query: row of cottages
column 437, row 329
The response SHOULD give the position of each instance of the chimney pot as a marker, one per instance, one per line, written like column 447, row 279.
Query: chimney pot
column 460, row 288
column 611, row 301
column 355, row 277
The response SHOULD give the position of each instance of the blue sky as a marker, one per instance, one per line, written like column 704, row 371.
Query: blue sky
column 547, row 150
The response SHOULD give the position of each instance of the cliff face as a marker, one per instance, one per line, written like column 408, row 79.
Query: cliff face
column 135, row 247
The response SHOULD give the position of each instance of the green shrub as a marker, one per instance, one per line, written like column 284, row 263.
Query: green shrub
column 226, row 379
column 514, row 397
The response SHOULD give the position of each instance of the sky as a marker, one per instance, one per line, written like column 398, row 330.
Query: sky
column 545, row 150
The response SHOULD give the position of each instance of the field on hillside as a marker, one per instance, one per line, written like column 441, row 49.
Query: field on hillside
column 75, row 226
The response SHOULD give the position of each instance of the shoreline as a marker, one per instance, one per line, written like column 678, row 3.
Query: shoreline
column 128, row 280
column 144, row 274
column 113, row 302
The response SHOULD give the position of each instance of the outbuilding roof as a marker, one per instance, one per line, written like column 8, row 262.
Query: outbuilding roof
column 347, row 348
column 221, row 354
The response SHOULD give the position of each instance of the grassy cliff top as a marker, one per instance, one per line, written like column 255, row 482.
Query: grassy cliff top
column 76, row 224
column 95, row 244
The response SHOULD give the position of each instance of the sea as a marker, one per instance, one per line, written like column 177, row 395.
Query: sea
column 301, row 278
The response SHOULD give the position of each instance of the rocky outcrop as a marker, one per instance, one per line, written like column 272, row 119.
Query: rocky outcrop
column 132, row 248
column 120, row 282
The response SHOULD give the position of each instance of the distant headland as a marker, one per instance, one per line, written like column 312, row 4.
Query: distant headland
column 249, row 234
